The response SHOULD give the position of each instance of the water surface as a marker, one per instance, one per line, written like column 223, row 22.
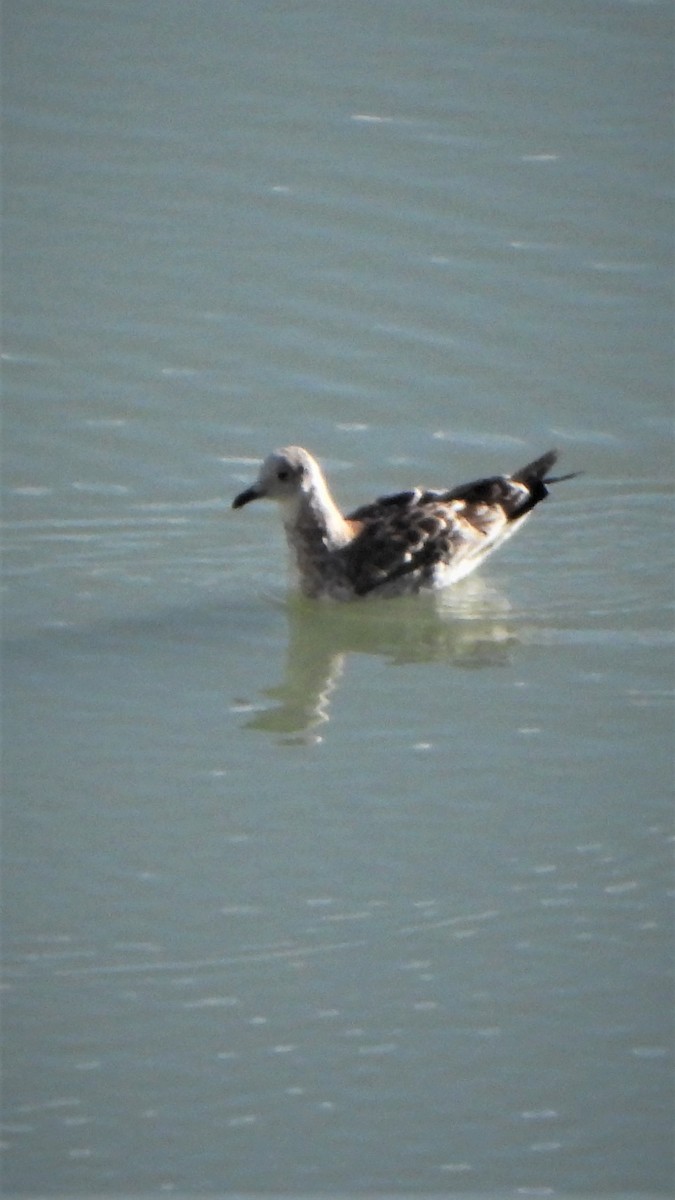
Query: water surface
column 308, row 898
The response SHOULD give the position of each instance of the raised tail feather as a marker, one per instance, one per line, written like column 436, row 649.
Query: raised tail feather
column 534, row 477
column 535, row 472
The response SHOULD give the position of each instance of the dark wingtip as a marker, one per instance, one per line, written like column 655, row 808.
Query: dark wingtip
column 563, row 478
column 537, row 471
column 534, row 476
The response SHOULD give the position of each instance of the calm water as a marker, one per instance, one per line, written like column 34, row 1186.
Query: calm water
column 368, row 898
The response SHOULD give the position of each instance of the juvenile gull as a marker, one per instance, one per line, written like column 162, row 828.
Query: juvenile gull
column 401, row 543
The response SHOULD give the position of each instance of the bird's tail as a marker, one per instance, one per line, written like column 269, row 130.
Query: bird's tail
column 537, row 472
column 535, row 478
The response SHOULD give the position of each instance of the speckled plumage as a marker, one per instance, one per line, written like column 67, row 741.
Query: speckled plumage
column 400, row 543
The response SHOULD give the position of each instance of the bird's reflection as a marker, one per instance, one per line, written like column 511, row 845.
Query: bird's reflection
column 467, row 627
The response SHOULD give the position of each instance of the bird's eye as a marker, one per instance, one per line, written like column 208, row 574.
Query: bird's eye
column 283, row 475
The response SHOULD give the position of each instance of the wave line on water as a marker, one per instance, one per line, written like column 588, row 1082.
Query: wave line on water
column 200, row 964
column 489, row 915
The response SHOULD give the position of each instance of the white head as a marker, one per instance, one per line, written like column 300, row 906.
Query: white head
column 284, row 476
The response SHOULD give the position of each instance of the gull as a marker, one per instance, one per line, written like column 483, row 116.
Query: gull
column 400, row 544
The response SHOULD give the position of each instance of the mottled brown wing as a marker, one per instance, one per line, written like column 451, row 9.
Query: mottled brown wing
column 404, row 534
column 417, row 531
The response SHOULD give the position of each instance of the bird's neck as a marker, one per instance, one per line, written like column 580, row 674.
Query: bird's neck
column 314, row 516
column 315, row 529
